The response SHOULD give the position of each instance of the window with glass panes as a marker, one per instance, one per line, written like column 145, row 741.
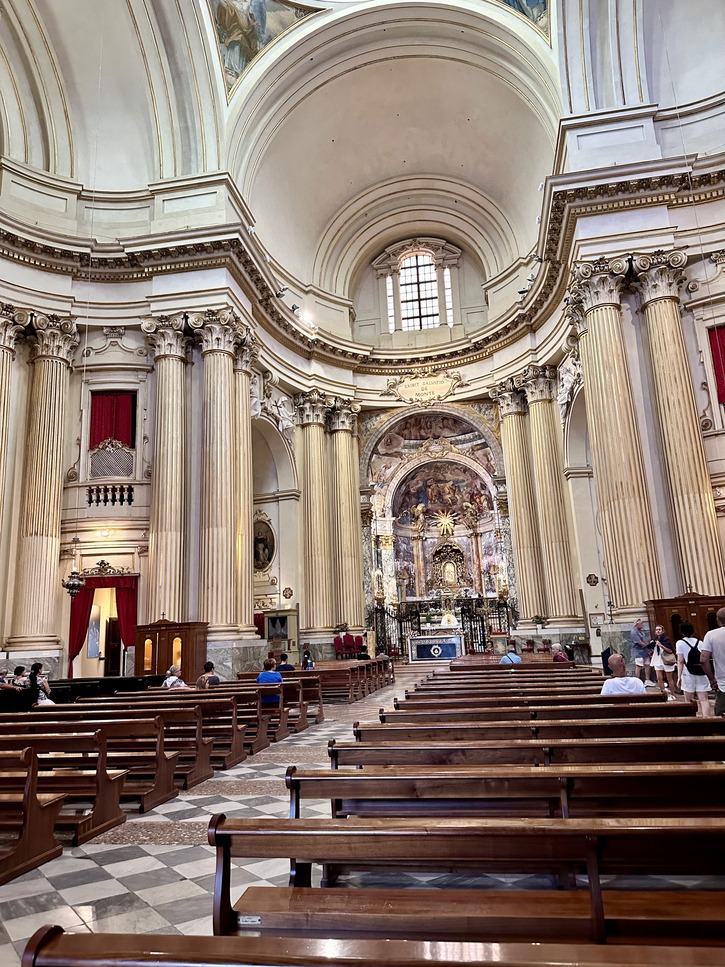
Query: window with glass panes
column 419, row 292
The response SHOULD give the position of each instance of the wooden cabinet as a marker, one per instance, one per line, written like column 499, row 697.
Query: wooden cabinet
column 165, row 643
column 700, row 609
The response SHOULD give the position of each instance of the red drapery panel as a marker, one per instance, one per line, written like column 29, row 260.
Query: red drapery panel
column 717, row 351
column 112, row 418
column 80, row 611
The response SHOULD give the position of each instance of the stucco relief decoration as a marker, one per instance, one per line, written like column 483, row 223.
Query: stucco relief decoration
column 424, row 387
column 569, row 379
column 245, row 27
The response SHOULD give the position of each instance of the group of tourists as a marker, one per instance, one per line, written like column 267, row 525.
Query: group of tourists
column 20, row 680
column 694, row 666
column 270, row 675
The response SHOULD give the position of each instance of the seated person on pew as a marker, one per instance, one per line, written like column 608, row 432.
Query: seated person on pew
column 5, row 682
column 283, row 665
column 511, row 657
column 558, row 654
column 269, row 677
column 35, row 681
column 209, row 677
column 173, row 678
column 619, row 684
column 307, row 662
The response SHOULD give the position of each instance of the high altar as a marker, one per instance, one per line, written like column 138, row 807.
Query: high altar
column 437, row 644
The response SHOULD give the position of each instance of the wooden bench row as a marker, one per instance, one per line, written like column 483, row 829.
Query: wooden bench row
column 27, row 816
column 52, row 947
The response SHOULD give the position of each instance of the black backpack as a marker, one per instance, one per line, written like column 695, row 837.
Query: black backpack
column 693, row 662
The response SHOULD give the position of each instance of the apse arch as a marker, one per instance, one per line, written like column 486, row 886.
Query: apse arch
column 398, row 416
column 409, row 467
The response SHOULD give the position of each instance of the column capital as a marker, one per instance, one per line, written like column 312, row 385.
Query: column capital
column 509, row 397
column 166, row 335
column 218, row 330
column 599, row 283
column 12, row 323
column 343, row 415
column 539, row 383
column 54, row 337
column 312, row 407
column 659, row 275
column 247, row 353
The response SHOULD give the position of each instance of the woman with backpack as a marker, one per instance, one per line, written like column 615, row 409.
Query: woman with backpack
column 691, row 675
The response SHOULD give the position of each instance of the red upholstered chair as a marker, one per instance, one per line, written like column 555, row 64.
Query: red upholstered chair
column 339, row 649
column 348, row 645
column 359, row 646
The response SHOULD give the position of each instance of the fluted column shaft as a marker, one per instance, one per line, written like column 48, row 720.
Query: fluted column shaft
column 38, row 586
column 540, row 387
column 319, row 611
column 166, row 531
column 218, row 333
column 625, row 514
column 11, row 324
column 688, row 481
column 244, row 487
column 522, row 504
column 347, row 535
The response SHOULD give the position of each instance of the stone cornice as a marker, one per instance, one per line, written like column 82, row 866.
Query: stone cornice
column 137, row 259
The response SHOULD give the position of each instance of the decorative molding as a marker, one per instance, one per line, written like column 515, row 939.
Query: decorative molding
column 424, row 387
column 104, row 569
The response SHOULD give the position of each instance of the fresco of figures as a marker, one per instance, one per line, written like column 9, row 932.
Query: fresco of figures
column 442, row 486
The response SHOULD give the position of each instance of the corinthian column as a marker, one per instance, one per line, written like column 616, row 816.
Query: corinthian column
column 218, row 333
column 36, row 595
column 166, row 534
column 688, row 481
column 11, row 324
column 522, row 505
column 540, row 388
column 319, row 610
column 244, row 486
column 347, row 535
column 625, row 514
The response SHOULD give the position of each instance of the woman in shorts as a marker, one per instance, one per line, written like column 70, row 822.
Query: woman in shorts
column 662, row 648
column 694, row 686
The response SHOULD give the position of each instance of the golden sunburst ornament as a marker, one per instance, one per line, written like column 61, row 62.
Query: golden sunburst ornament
column 445, row 522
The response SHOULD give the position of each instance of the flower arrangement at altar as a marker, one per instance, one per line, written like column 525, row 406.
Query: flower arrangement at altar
column 341, row 628
column 539, row 620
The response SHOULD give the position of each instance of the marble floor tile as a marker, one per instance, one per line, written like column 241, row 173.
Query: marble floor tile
column 135, row 921
column 171, row 892
column 196, row 928
column 104, row 907
column 24, row 927
column 128, row 867
column 92, row 891
column 197, row 868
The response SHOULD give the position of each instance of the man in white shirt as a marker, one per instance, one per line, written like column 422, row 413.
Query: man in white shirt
column 619, row 684
column 713, row 646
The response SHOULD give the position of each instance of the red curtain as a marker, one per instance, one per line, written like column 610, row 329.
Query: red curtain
column 717, row 351
column 112, row 418
column 80, row 612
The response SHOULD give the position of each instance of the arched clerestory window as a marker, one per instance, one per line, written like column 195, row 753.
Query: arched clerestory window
column 418, row 285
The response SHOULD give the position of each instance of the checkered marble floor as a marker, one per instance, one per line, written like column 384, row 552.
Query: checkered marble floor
column 155, row 874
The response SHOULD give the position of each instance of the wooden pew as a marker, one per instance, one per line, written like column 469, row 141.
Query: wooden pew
column 52, row 947
column 597, row 847
column 563, row 727
column 27, row 817
column 133, row 745
column 248, row 712
column 486, row 711
column 183, row 732
column 682, row 789
column 706, row 748
column 544, row 698
column 73, row 765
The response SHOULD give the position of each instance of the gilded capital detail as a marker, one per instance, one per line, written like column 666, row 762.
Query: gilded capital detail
column 539, row 383
column 166, row 335
column 659, row 275
column 599, row 283
column 53, row 338
column 509, row 397
column 217, row 330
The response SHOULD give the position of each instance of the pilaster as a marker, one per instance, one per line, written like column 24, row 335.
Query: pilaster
column 12, row 322
column 318, row 598
column 347, row 534
column 522, row 503
column 659, row 277
column 540, row 386
column 244, row 485
column 625, row 513
column 218, row 332
column 53, row 342
column 166, row 335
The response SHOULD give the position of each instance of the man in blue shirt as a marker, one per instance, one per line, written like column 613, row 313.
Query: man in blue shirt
column 511, row 657
column 269, row 677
